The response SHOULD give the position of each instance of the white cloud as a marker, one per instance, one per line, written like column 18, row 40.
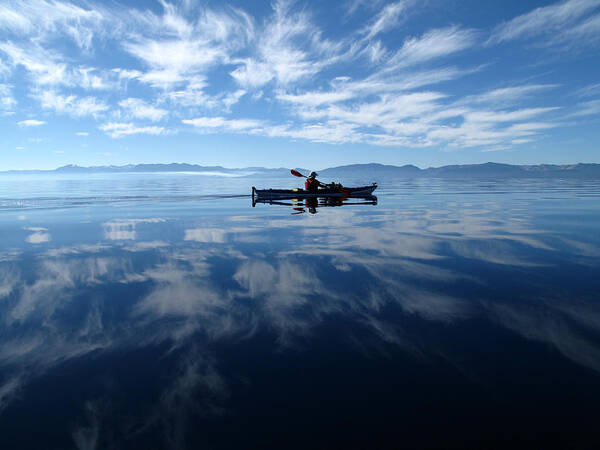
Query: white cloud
column 331, row 132
column 71, row 104
column 584, row 34
column 586, row 109
column 119, row 129
column 509, row 94
column 364, row 82
column 433, row 44
column 231, row 98
column 82, row 133
column 46, row 67
column 173, row 58
column 589, row 91
column 289, row 48
column 179, row 48
column 252, row 73
column 317, row 98
column 139, row 109
column 42, row 19
column 220, row 123
column 386, row 19
column 484, row 133
column 7, row 100
column 543, row 20
column 127, row 74
column 506, row 116
column 31, row 123
column 414, row 119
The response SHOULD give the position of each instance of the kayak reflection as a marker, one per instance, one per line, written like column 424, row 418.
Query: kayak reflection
column 311, row 205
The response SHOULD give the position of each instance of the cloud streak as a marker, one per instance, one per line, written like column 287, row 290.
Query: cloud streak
column 283, row 74
column 544, row 20
column 31, row 123
column 121, row 129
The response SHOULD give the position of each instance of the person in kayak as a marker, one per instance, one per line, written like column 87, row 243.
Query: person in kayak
column 312, row 184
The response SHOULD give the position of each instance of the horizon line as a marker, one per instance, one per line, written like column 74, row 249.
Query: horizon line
column 296, row 167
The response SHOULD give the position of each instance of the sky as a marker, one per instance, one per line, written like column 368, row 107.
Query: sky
column 298, row 84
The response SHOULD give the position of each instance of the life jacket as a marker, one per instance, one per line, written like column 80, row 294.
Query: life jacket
column 311, row 184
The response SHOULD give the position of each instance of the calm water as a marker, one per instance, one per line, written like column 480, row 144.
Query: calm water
column 164, row 311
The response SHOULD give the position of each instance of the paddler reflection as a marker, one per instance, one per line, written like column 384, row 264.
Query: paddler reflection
column 311, row 205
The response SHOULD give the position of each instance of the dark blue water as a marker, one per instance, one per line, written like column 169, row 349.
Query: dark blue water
column 164, row 311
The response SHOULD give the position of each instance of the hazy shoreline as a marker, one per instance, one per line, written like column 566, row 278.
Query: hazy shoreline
column 486, row 170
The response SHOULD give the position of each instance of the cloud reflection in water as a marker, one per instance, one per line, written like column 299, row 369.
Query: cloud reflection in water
column 203, row 285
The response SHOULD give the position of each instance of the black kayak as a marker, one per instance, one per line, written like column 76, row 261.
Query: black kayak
column 330, row 191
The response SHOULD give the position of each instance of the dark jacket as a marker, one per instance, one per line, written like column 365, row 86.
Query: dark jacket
column 311, row 184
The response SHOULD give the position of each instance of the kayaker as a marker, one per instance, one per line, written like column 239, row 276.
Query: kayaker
column 312, row 184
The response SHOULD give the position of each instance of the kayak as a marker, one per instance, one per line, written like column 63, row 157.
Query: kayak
column 333, row 191
column 318, row 202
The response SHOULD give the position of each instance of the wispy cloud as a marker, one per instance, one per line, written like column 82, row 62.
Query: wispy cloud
column 589, row 91
column 386, row 19
column 509, row 94
column 433, row 44
column 589, row 108
column 46, row 67
column 71, row 104
column 286, row 73
column 544, row 20
column 7, row 101
column 121, row 129
column 506, row 116
column 583, row 34
column 139, row 109
column 213, row 124
column 289, row 48
column 31, row 123
column 42, row 19
column 179, row 48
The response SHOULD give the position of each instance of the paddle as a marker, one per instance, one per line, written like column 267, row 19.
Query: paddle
column 342, row 189
column 297, row 174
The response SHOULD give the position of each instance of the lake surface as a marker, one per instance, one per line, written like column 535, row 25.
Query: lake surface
column 164, row 311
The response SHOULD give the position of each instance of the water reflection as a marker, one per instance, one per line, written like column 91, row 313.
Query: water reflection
column 163, row 323
column 311, row 205
column 38, row 235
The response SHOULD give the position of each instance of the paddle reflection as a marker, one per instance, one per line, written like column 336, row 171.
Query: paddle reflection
column 311, row 205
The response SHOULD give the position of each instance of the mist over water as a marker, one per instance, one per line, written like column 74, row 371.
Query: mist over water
column 164, row 311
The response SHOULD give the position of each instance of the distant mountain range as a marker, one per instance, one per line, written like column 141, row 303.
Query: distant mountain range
column 375, row 171
column 488, row 170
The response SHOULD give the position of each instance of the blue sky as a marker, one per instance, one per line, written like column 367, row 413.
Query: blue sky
column 310, row 84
